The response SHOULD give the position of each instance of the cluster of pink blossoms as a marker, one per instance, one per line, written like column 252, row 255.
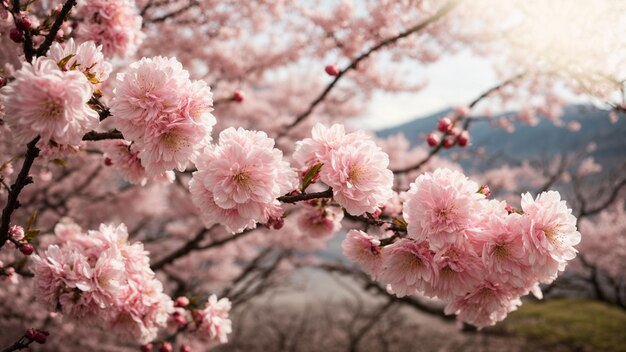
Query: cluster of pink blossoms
column 115, row 24
column 50, row 101
column 165, row 114
column 119, row 155
column 353, row 165
column 239, row 179
column 101, row 279
column 212, row 322
column 470, row 251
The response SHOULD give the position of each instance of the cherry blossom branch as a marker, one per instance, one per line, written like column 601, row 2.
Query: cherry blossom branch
column 306, row 196
column 23, row 179
column 43, row 48
column 188, row 247
column 466, row 124
column 98, row 136
column 191, row 4
column 448, row 7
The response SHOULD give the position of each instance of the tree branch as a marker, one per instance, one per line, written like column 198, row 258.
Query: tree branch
column 306, row 196
column 98, row 136
column 353, row 65
column 23, row 179
column 43, row 48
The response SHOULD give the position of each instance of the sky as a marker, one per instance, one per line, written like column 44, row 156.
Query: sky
column 453, row 80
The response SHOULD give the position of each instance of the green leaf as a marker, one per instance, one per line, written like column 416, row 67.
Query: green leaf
column 59, row 162
column 31, row 235
column 31, row 220
column 399, row 222
column 310, row 175
column 65, row 60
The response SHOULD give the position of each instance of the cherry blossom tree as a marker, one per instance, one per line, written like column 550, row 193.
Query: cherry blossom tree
column 164, row 162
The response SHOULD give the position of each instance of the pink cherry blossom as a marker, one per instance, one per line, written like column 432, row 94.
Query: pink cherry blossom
column 242, row 176
column 213, row 322
column 441, row 207
column 45, row 101
column 114, row 24
column 407, row 266
column 86, row 58
column 364, row 250
column 320, row 222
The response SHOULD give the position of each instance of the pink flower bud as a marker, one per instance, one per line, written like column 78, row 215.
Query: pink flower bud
column 449, row 142
column 509, row 209
column 238, row 96
column 30, row 334
column 433, row 140
column 166, row 347
column 147, row 347
column 332, row 70
column 16, row 35
column 185, row 348
column 181, row 301
column 108, row 161
column 180, row 320
column 27, row 249
column 1, row 81
column 41, row 337
column 461, row 111
column 24, row 23
column 444, row 124
column 17, row 232
column 463, row 139
column 484, row 189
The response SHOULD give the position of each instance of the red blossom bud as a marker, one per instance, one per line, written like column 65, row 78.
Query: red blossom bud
column 108, row 161
column 433, row 140
column 147, row 347
column 463, row 139
column 30, row 334
column 1, row 81
column 449, row 142
column 332, row 70
column 41, row 337
column 166, row 347
column 181, row 301
column 180, row 320
column 444, row 124
column 238, row 96
column 24, row 23
column 27, row 249
column 16, row 35
column 185, row 348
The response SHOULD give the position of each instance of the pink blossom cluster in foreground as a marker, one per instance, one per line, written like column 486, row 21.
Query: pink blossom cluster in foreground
column 353, row 165
column 48, row 98
column 239, row 179
column 115, row 24
column 165, row 114
column 100, row 278
column 470, row 251
column 209, row 322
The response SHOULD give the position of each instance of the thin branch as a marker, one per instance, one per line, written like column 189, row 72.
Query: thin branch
column 98, row 136
column 23, row 179
column 43, row 49
column 306, row 196
column 354, row 64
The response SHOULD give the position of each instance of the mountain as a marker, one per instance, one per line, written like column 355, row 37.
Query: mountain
column 533, row 142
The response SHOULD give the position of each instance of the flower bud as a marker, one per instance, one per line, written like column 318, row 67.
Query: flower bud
column 332, row 70
column 180, row 320
column 509, row 209
column 17, row 232
column 166, row 347
column 30, row 334
column 463, row 139
column 461, row 111
column 181, row 301
column 147, row 347
column 16, row 35
column 449, row 142
column 27, row 249
column 185, row 348
column 433, row 140
column 24, row 23
column 444, row 124
column 41, row 336
column 1, row 81
column 238, row 96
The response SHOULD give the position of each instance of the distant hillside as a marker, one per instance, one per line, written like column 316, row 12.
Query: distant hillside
column 534, row 142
